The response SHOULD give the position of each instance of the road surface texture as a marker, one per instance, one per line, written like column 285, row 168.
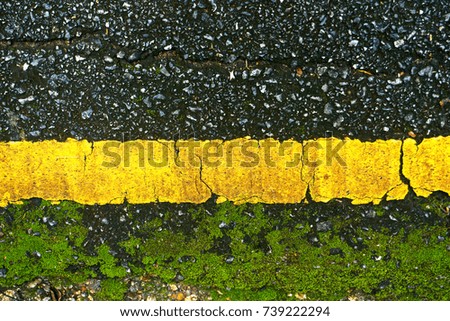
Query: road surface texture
column 195, row 71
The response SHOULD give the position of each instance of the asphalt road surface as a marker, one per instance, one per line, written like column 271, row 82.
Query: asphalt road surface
column 207, row 69
column 101, row 70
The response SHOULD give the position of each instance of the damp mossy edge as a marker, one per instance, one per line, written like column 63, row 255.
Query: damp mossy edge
column 246, row 252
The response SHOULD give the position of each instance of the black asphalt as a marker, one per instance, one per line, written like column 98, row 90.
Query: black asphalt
column 224, row 69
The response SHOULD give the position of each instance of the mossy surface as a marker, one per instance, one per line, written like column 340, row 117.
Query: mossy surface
column 112, row 289
column 40, row 239
column 394, row 251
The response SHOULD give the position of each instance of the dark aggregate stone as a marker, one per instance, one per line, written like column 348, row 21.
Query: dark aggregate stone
column 179, row 278
column 336, row 251
column 376, row 35
column 60, row 91
column 229, row 259
column 223, row 69
column 323, row 226
column 383, row 284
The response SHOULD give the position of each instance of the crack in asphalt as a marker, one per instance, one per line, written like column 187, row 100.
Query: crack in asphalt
column 143, row 56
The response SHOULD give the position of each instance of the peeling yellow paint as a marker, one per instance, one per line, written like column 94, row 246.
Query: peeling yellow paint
column 361, row 171
column 252, row 171
column 79, row 171
column 427, row 165
column 240, row 170
column 47, row 169
column 137, row 180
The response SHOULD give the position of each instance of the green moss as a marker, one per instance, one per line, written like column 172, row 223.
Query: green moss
column 151, row 112
column 246, row 252
column 108, row 264
column 131, row 246
column 47, row 241
column 42, row 241
column 241, row 248
column 111, row 290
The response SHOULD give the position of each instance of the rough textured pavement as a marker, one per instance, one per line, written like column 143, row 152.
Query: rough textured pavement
column 210, row 69
column 201, row 70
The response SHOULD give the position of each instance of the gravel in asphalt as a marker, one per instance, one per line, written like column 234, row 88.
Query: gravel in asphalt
column 210, row 69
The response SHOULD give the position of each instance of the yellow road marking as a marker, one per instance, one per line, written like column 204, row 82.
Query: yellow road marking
column 240, row 170
column 370, row 173
column 427, row 165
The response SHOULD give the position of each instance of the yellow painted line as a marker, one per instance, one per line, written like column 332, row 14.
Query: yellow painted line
column 364, row 172
column 240, row 170
column 427, row 165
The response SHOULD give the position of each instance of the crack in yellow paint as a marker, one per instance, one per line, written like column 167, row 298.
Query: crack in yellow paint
column 427, row 165
column 240, row 170
column 361, row 171
column 253, row 171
